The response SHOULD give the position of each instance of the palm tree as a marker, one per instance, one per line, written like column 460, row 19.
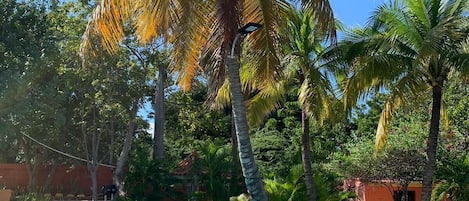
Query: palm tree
column 302, row 45
column 410, row 47
column 196, row 28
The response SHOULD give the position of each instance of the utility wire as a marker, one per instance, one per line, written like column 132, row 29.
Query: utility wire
column 66, row 154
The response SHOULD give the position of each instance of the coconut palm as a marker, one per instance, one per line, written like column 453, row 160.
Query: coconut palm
column 196, row 28
column 301, row 42
column 302, row 45
column 409, row 48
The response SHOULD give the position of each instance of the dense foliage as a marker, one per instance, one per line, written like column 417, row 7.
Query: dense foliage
column 56, row 108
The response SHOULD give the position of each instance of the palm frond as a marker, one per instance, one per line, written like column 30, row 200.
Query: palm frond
column 188, row 37
column 409, row 86
column 221, row 34
column 454, row 8
column 389, row 107
column 401, row 25
column 262, row 45
column 155, row 18
column 444, row 115
column 264, row 102
column 419, row 10
column 222, row 98
column 323, row 15
column 315, row 95
column 459, row 59
column 106, row 21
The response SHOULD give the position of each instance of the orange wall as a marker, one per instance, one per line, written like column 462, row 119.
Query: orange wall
column 379, row 192
column 67, row 179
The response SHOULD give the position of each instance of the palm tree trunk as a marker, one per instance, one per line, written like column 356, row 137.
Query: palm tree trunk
column 158, row 106
column 235, row 169
column 306, row 156
column 251, row 175
column 432, row 143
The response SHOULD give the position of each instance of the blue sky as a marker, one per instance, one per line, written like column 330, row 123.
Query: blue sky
column 354, row 12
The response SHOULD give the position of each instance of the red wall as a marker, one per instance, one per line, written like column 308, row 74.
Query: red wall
column 66, row 179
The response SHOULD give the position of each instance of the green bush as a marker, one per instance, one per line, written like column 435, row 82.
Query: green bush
column 148, row 179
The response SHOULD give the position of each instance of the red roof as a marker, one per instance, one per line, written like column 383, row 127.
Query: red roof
column 185, row 165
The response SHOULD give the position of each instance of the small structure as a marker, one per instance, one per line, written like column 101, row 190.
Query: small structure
column 382, row 190
column 184, row 173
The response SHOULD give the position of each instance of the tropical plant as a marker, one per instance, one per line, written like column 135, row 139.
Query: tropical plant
column 451, row 175
column 187, row 33
column 213, row 166
column 453, row 180
column 293, row 188
column 409, row 48
column 190, row 128
column 302, row 45
column 148, row 179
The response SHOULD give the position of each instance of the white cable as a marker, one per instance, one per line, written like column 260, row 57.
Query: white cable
column 65, row 154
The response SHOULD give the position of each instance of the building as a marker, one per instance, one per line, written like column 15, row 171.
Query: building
column 382, row 190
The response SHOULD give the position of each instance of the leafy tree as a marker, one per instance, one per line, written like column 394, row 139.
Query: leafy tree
column 99, row 108
column 108, row 100
column 189, row 126
column 409, row 48
column 276, row 142
column 454, row 178
column 453, row 159
column 400, row 162
column 30, row 100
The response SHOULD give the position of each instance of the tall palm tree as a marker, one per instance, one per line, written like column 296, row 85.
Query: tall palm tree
column 409, row 48
column 196, row 28
column 302, row 45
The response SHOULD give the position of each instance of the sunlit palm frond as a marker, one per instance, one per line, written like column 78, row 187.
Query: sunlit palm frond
column 187, row 38
column 444, row 115
column 402, row 93
column 262, row 45
column 315, row 97
column 155, row 17
column 264, row 102
column 389, row 107
column 249, row 83
column 106, row 21
column 402, row 25
column 222, row 98
column 261, row 100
